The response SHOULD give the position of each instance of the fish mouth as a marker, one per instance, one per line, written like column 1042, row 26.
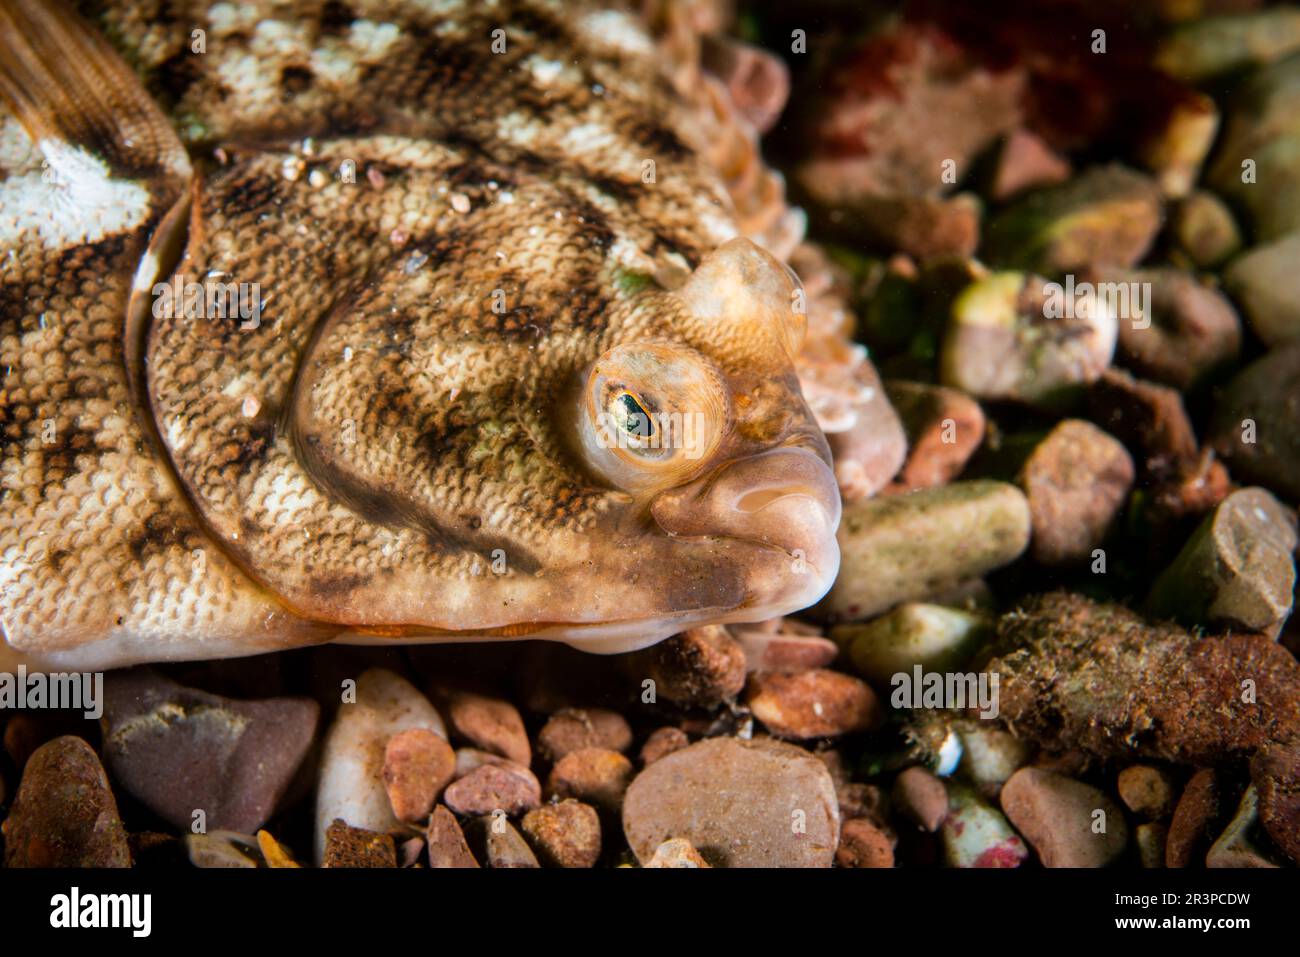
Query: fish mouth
column 784, row 505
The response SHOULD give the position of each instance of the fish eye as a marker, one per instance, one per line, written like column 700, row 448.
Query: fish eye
column 631, row 415
column 652, row 414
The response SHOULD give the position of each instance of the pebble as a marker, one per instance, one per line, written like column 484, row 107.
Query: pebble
column 490, row 724
column 759, row 803
column 1076, row 480
column 1236, row 571
column 1104, row 216
column 989, row 754
column 1069, row 823
column 1026, row 162
column 1200, row 49
column 812, row 704
column 446, row 841
column 857, row 799
column 565, row 834
column 677, row 852
column 783, row 651
column 418, row 764
column 944, row 427
column 223, row 849
column 905, row 100
column 1266, row 283
column 1275, row 769
column 1256, row 422
column 506, row 848
column 976, row 835
column 1190, row 328
column 663, row 742
column 598, row 776
column 274, row 853
column 869, row 452
column 915, row 633
column 757, row 82
column 1147, row 791
column 410, row 851
column 64, row 814
column 471, row 759
column 1205, row 229
column 901, row 547
column 1175, row 148
column 574, row 728
column 1262, row 125
column 347, row 846
column 510, row 788
column 922, row 797
column 1150, row 838
column 1235, row 847
column 1149, row 419
column 862, row 844
column 1003, row 342
column 179, row 750
column 1168, row 695
column 1196, row 811
column 351, row 785
column 702, row 667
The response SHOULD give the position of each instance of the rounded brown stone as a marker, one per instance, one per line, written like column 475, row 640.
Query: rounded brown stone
column 740, row 803
column 1196, row 810
column 1146, row 791
column 1076, row 480
column 446, row 841
column 812, row 704
column 1276, row 772
column 862, row 844
column 489, row 723
column 1069, row 823
column 64, row 814
column 493, row 787
column 596, row 775
column 701, row 667
column 575, row 728
column 418, row 764
column 661, row 742
column 565, row 834
column 922, row 797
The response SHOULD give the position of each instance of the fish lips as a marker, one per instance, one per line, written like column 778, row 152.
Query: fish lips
column 785, row 503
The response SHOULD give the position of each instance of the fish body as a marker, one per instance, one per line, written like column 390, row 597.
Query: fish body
column 383, row 321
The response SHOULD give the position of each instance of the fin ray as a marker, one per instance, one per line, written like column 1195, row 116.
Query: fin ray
column 66, row 84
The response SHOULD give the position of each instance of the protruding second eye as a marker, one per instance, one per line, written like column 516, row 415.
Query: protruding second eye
column 652, row 415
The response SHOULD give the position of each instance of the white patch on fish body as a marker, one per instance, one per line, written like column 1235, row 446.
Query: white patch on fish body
column 227, row 18
column 618, row 31
column 547, row 71
column 441, row 8
column 519, row 130
column 372, row 40
column 176, row 434
column 76, row 201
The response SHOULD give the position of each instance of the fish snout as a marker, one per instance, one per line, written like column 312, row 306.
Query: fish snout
column 786, row 499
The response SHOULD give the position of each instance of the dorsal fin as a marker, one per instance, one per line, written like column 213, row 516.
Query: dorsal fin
column 69, row 88
column 95, row 124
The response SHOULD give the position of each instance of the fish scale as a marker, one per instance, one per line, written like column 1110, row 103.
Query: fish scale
column 448, row 244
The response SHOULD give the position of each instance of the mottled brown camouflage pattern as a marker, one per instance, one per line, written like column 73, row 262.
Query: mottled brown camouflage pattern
column 391, row 449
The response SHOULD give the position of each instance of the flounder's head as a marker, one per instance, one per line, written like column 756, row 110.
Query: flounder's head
column 607, row 473
column 694, row 419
